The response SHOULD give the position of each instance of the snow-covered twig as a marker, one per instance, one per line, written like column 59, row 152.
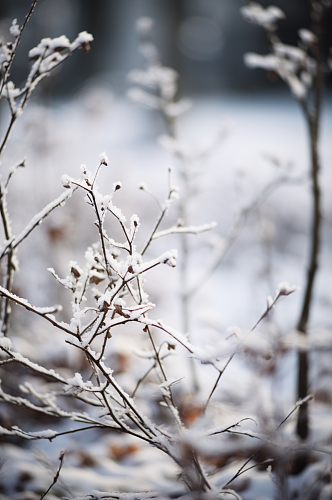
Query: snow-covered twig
column 35, row 222
column 283, row 289
column 239, row 224
column 47, row 56
column 18, row 34
column 40, row 311
column 185, row 230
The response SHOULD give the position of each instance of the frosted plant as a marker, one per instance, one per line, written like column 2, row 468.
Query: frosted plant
column 302, row 68
column 49, row 54
column 156, row 88
column 108, row 292
column 113, row 277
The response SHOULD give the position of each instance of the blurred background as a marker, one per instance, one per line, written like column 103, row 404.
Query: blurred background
column 204, row 40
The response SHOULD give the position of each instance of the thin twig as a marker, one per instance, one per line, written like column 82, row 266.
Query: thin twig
column 56, row 477
column 217, row 381
column 16, row 45
column 241, row 471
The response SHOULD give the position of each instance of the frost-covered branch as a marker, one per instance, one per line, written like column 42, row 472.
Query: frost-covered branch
column 222, row 246
column 185, row 230
column 40, row 311
column 119, row 298
column 12, row 244
column 8, row 52
column 156, row 87
column 283, row 289
column 46, row 56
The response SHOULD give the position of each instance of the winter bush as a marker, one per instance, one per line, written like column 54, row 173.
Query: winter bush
column 93, row 390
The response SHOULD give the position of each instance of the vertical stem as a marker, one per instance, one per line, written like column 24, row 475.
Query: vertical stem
column 185, row 302
column 5, row 307
column 9, row 129
column 185, row 252
column 313, row 121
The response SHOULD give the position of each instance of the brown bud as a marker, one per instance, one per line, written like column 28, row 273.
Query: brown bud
column 75, row 272
column 85, row 47
column 96, row 279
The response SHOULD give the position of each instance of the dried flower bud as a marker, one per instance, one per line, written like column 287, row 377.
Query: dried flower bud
column 285, row 289
column 66, row 180
column 85, row 47
column 96, row 278
column 75, row 272
column 103, row 159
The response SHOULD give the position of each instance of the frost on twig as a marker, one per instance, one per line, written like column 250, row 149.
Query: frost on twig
column 48, row 54
column 303, row 69
column 283, row 289
column 185, row 230
column 267, row 18
column 243, row 341
column 35, row 222
column 108, row 291
column 294, row 65
column 156, row 87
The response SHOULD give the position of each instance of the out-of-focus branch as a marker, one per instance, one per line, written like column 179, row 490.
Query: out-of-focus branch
column 17, row 41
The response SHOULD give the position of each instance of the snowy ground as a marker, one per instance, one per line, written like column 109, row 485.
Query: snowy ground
column 252, row 140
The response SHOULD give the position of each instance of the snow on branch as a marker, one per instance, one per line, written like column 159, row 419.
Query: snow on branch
column 283, row 289
column 35, row 221
column 294, row 65
column 19, row 358
column 116, row 495
column 185, row 230
column 267, row 18
column 40, row 311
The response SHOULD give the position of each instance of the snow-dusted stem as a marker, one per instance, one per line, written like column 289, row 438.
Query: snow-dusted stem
column 185, row 300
